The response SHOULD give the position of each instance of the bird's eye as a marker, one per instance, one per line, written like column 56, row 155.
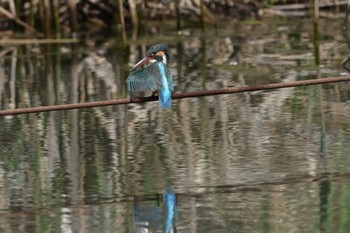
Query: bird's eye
column 151, row 55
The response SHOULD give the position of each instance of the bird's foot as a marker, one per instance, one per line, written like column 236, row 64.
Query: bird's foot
column 133, row 99
column 155, row 93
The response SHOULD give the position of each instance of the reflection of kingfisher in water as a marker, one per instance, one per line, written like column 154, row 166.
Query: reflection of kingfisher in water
column 152, row 74
column 169, row 209
column 154, row 218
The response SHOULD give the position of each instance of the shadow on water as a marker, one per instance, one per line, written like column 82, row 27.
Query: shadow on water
column 271, row 161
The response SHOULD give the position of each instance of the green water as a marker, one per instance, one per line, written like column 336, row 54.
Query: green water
column 267, row 161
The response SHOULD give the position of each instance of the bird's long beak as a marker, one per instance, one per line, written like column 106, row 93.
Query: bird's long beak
column 142, row 62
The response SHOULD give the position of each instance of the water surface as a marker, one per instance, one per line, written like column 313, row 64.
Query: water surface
column 267, row 161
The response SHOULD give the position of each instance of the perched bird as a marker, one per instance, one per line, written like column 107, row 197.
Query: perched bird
column 152, row 74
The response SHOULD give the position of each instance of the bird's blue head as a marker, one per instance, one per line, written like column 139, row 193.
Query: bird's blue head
column 157, row 53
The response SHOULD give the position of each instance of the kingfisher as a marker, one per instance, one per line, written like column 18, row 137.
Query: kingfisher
column 152, row 74
column 170, row 210
column 151, row 218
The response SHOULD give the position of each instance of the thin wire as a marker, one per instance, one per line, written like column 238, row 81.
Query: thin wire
column 175, row 96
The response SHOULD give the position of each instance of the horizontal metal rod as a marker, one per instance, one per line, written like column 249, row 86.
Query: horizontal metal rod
column 175, row 96
column 37, row 41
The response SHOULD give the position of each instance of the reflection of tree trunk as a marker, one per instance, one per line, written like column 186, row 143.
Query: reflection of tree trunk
column 13, row 79
column 346, row 25
column 122, row 22
column 124, row 148
column 202, row 15
column 179, row 62
column 225, row 142
column 52, row 135
column 316, row 38
column 134, row 34
column 133, row 12
column 2, row 82
column 50, row 83
column 5, row 197
column 73, row 157
column 178, row 16
column 72, row 7
column 204, row 64
column 56, row 20
column 46, row 18
column 346, row 34
column 323, row 124
column 120, row 62
column 324, row 195
column 184, row 106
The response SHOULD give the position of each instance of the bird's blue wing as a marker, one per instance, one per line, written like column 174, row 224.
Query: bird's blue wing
column 139, row 81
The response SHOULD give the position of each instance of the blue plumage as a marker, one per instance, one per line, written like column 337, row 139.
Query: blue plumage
column 152, row 74
column 169, row 209
column 164, row 91
column 150, row 218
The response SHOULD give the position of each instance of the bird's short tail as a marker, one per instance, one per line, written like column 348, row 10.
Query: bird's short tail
column 165, row 99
